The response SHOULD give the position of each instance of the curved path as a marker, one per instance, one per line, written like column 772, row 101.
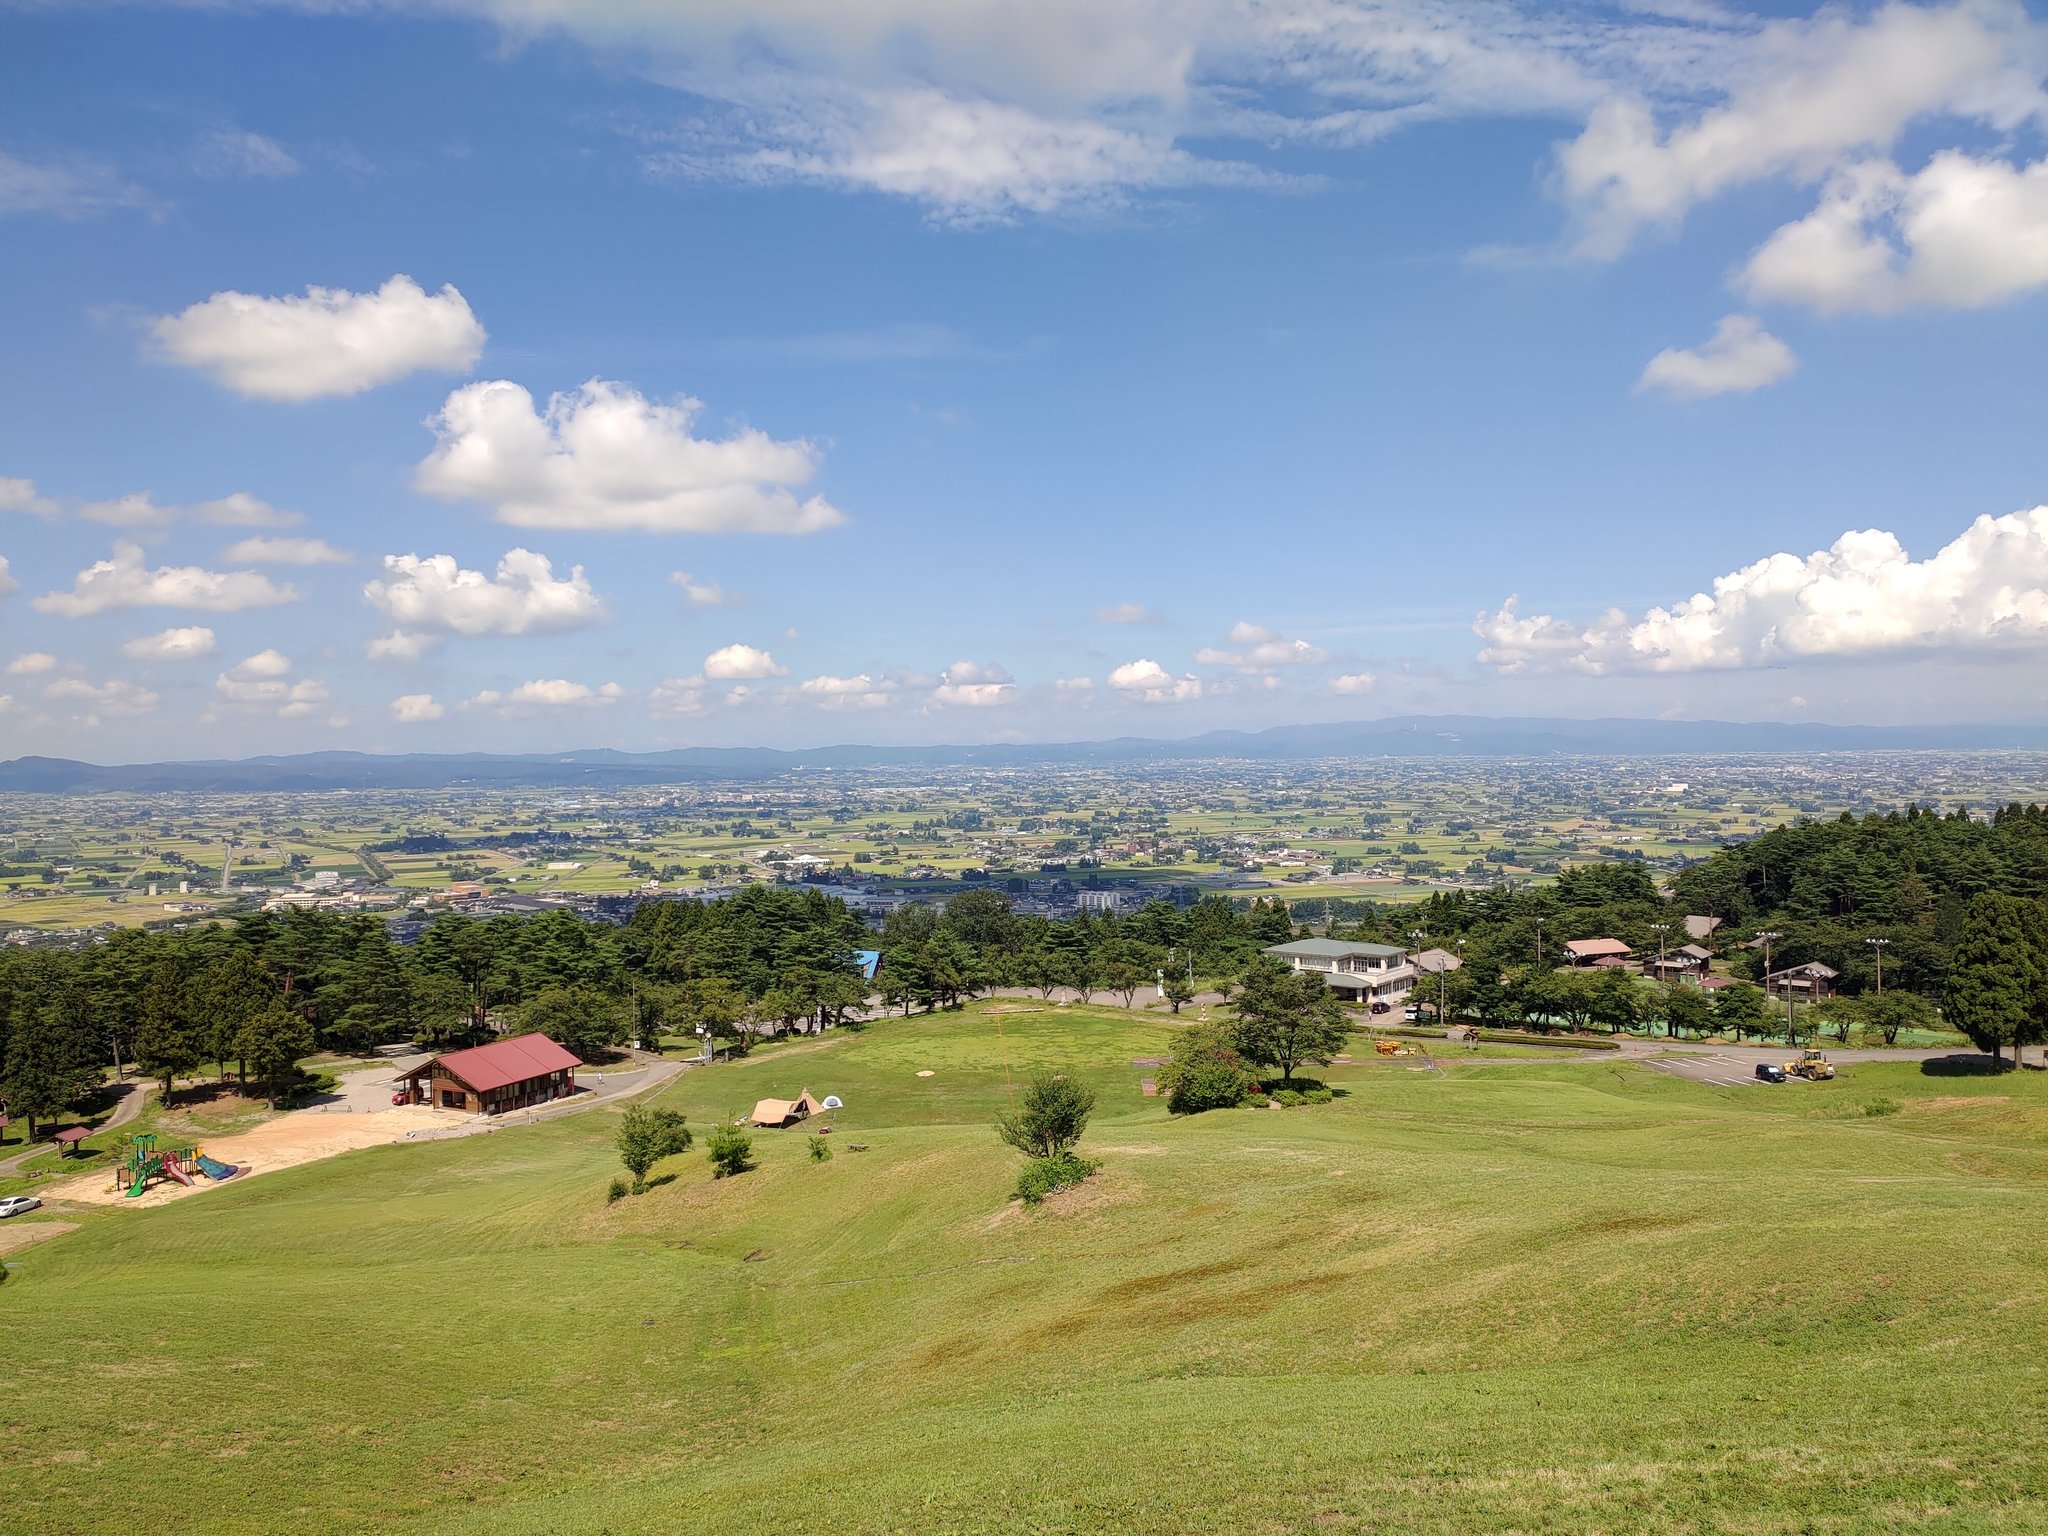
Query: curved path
column 132, row 1096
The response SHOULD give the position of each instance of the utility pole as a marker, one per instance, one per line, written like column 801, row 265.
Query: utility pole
column 1878, row 945
column 1539, row 943
column 1662, row 929
column 1766, row 935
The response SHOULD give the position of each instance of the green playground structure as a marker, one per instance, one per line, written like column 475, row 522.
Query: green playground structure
column 145, row 1164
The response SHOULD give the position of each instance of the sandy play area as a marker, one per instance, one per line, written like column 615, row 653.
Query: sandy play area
column 303, row 1137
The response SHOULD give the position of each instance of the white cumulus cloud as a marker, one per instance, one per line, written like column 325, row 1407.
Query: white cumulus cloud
column 700, row 593
column 857, row 692
column 1353, row 683
column 741, row 663
column 675, row 698
column 1253, row 648
column 416, row 709
column 263, row 682
column 114, row 697
column 1125, row 613
column 1987, row 589
column 548, row 693
column 20, row 496
column 135, row 510
column 1147, row 682
column 325, row 341
column 186, row 642
column 433, row 594
column 606, row 457
column 7, row 582
column 1804, row 95
column 1740, row 356
column 127, row 580
column 265, row 549
column 974, row 685
column 1962, row 233
column 31, row 664
column 241, row 510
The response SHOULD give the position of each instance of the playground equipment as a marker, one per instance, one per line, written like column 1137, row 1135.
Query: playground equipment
column 145, row 1164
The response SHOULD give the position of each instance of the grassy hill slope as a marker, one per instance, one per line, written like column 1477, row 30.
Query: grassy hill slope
column 1517, row 1296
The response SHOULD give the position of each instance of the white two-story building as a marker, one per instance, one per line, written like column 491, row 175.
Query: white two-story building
column 1378, row 975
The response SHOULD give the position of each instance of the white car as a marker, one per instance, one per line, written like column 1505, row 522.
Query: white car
column 15, row 1205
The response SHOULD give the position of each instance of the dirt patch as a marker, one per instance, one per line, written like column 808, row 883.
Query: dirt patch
column 285, row 1142
column 19, row 1234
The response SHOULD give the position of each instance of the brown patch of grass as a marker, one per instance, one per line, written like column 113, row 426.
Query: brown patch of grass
column 19, row 1234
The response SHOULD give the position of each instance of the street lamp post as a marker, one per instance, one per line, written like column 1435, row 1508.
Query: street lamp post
column 1662, row 929
column 1539, row 943
column 1878, row 945
column 1417, row 935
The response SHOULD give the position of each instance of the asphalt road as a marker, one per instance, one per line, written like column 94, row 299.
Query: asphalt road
column 1734, row 1066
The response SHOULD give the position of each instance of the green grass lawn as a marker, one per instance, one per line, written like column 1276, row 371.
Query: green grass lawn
column 1530, row 1297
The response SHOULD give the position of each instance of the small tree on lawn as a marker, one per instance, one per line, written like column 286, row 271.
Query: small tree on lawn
column 1046, row 1126
column 1179, row 990
column 648, row 1135
column 732, row 1151
column 1051, row 1118
column 1285, row 1018
column 1204, row 1072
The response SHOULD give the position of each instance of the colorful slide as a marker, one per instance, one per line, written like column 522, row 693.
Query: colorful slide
column 216, row 1170
column 141, row 1182
column 172, row 1170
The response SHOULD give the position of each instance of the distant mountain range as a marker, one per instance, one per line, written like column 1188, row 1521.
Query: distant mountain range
column 1405, row 736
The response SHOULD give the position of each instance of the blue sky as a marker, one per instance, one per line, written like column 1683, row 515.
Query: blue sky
column 1059, row 370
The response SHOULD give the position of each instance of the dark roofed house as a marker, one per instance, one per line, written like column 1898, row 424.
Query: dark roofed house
column 1804, row 983
column 514, row 1073
column 1686, row 963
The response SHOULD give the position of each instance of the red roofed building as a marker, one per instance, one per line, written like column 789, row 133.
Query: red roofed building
column 489, row 1079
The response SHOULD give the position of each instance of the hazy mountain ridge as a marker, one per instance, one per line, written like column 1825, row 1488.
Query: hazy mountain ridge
column 1405, row 736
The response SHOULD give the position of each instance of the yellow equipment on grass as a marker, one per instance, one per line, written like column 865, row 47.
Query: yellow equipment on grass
column 1390, row 1047
column 1811, row 1065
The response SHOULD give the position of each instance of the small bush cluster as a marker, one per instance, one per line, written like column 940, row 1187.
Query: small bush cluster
column 616, row 1193
column 1043, row 1175
column 1304, row 1092
column 732, row 1151
column 821, row 1150
column 1204, row 1072
column 1878, row 1108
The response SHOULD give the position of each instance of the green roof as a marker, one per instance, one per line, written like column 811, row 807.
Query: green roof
column 1333, row 949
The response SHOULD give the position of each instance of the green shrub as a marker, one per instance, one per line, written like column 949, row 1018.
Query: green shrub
column 821, row 1150
column 1043, row 1175
column 1287, row 1098
column 1878, row 1108
column 1204, row 1072
column 732, row 1151
column 1053, row 1116
column 616, row 1193
column 1259, row 1101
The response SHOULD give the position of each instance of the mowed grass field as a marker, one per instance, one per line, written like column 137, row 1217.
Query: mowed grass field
column 1508, row 1296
